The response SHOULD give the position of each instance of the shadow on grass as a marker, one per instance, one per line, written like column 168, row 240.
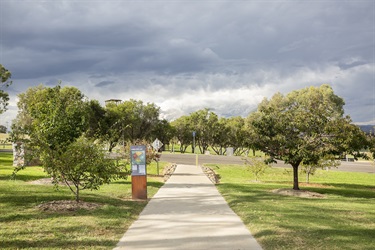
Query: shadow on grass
column 344, row 220
column 63, row 243
column 28, row 227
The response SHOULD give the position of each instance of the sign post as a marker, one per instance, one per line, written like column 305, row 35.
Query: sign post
column 139, row 172
column 157, row 145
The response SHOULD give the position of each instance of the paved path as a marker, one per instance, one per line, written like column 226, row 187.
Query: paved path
column 188, row 213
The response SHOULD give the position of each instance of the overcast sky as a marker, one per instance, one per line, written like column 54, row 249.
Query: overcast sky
column 192, row 54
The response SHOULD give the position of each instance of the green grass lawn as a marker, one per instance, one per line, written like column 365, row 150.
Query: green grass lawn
column 22, row 225
column 344, row 219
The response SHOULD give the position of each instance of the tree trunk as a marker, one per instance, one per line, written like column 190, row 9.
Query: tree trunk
column 308, row 176
column 295, row 176
column 77, row 194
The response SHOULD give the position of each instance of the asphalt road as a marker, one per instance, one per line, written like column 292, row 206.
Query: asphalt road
column 191, row 159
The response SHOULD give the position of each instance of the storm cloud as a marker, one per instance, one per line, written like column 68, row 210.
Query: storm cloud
column 189, row 55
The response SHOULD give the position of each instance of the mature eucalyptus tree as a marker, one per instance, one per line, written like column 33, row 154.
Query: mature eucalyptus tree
column 163, row 131
column 237, row 134
column 304, row 126
column 221, row 139
column 130, row 120
column 143, row 119
column 204, row 123
column 183, row 130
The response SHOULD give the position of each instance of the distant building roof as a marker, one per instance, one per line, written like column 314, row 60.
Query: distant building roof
column 116, row 101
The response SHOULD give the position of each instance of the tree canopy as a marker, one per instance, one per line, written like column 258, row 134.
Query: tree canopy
column 55, row 120
column 304, row 126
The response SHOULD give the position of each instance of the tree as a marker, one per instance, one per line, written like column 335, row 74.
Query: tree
column 256, row 166
column 204, row 122
column 84, row 165
column 129, row 121
column 97, row 123
column 114, row 125
column 326, row 162
column 164, row 131
column 371, row 142
column 221, row 138
column 303, row 127
column 237, row 135
column 183, row 130
column 4, row 96
column 55, row 120
column 3, row 129
column 143, row 119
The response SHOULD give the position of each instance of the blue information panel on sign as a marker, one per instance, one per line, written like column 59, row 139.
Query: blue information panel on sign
column 138, row 160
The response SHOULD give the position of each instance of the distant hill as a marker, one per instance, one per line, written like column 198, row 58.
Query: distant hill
column 367, row 128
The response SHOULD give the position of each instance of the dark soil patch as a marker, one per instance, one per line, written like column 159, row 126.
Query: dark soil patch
column 67, row 205
column 298, row 193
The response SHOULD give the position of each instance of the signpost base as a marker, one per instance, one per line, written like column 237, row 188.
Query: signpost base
column 139, row 187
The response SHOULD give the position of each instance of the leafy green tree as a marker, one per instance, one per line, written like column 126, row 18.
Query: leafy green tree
column 55, row 120
column 3, row 129
column 5, row 75
column 371, row 142
column 326, row 162
column 143, row 118
column 303, row 127
column 203, row 122
column 129, row 121
column 221, row 138
column 256, row 166
column 97, row 123
column 164, row 131
column 183, row 130
column 237, row 134
column 84, row 165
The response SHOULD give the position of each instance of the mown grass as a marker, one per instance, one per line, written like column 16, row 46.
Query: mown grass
column 23, row 225
column 4, row 144
column 344, row 219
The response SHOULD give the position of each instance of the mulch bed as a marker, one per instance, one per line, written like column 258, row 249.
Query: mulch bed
column 67, row 205
column 298, row 193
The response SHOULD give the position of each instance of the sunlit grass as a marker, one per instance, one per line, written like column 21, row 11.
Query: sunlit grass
column 344, row 219
column 23, row 225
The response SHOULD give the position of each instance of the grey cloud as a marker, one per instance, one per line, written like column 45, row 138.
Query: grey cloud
column 104, row 83
column 187, row 46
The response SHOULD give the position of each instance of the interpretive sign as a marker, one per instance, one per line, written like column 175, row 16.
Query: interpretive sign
column 138, row 160
column 139, row 172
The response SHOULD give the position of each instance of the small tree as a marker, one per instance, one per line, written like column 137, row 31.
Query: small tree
column 256, row 166
column 55, row 119
column 326, row 162
column 84, row 165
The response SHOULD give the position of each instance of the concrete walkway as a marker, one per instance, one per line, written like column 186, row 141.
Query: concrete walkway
column 188, row 213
